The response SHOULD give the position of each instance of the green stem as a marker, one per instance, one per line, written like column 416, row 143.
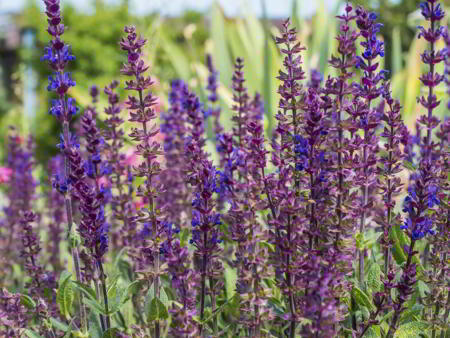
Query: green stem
column 97, row 292
column 213, row 303
column 105, row 293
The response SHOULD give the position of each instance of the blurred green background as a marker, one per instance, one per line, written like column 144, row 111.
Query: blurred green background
column 177, row 47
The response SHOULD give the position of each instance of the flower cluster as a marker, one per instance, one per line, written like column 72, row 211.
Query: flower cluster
column 42, row 282
column 388, row 182
column 58, row 55
column 92, row 227
column 242, row 243
column 14, row 316
column 287, row 210
column 174, row 129
column 142, row 111
column 432, row 12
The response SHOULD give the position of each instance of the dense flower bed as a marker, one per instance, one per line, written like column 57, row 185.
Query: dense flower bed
column 299, row 234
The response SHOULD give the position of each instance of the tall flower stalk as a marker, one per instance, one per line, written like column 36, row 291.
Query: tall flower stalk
column 431, row 151
column 368, row 90
column 341, row 88
column 206, row 183
column 388, row 183
column 418, row 224
column 291, row 92
column 95, row 168
column 117, row 170
column 142, row 111
column 431, row 10
column 58, row 54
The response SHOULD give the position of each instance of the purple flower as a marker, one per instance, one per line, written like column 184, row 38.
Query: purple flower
column 73, row 141
column 60, row 83
column 431, row 11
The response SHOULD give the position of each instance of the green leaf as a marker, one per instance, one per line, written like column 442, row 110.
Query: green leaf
column 230, row 281
column 411, row 330
column 27, row 301
column 365, row 313
column 134, row 287
column 400, row 241
column 409, row 314
column 148, row 299
column 221, row 52
column 95, row 331
column 157, row 310
column 423, row 288
column 362, row 299
column 63, row 277
column 409, row 165
column 59, row 325
column 163, row 297
column 32, row 334
column 398, row 251
column 111, row 333
column 74, row 236
column 359, row 240
column 119, row 256
column 387, row 316
column 177, row 57
column 396, row 51
column 68, row 333
column 65, row 296
column 112, row 291
column 113, row 282
column 86, row 289
column 95, row 306
column 374, row 277
column 372, row 332
column 120, row 298
column 218, row 311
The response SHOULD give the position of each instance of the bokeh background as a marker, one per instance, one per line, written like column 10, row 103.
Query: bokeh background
column 180, row 33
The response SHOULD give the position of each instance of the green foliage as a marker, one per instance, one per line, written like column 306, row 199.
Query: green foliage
column 110, row 333
column 57, row 324
column 27, row 301
column 411, row 314
column 86, row 289
column 374, row 277
column 372, row 332
column 65, row 295
column 230, row 281
column 95, row 306
column 157, row 310
column 32, row 334
column 95, row 330
column 411, row 330
column 362, row 298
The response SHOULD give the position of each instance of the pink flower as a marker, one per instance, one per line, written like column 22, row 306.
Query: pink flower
column 5, row 174
column 131, row 157
column 103, row 181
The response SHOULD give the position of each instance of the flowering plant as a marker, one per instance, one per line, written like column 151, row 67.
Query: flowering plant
column 294, row 234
